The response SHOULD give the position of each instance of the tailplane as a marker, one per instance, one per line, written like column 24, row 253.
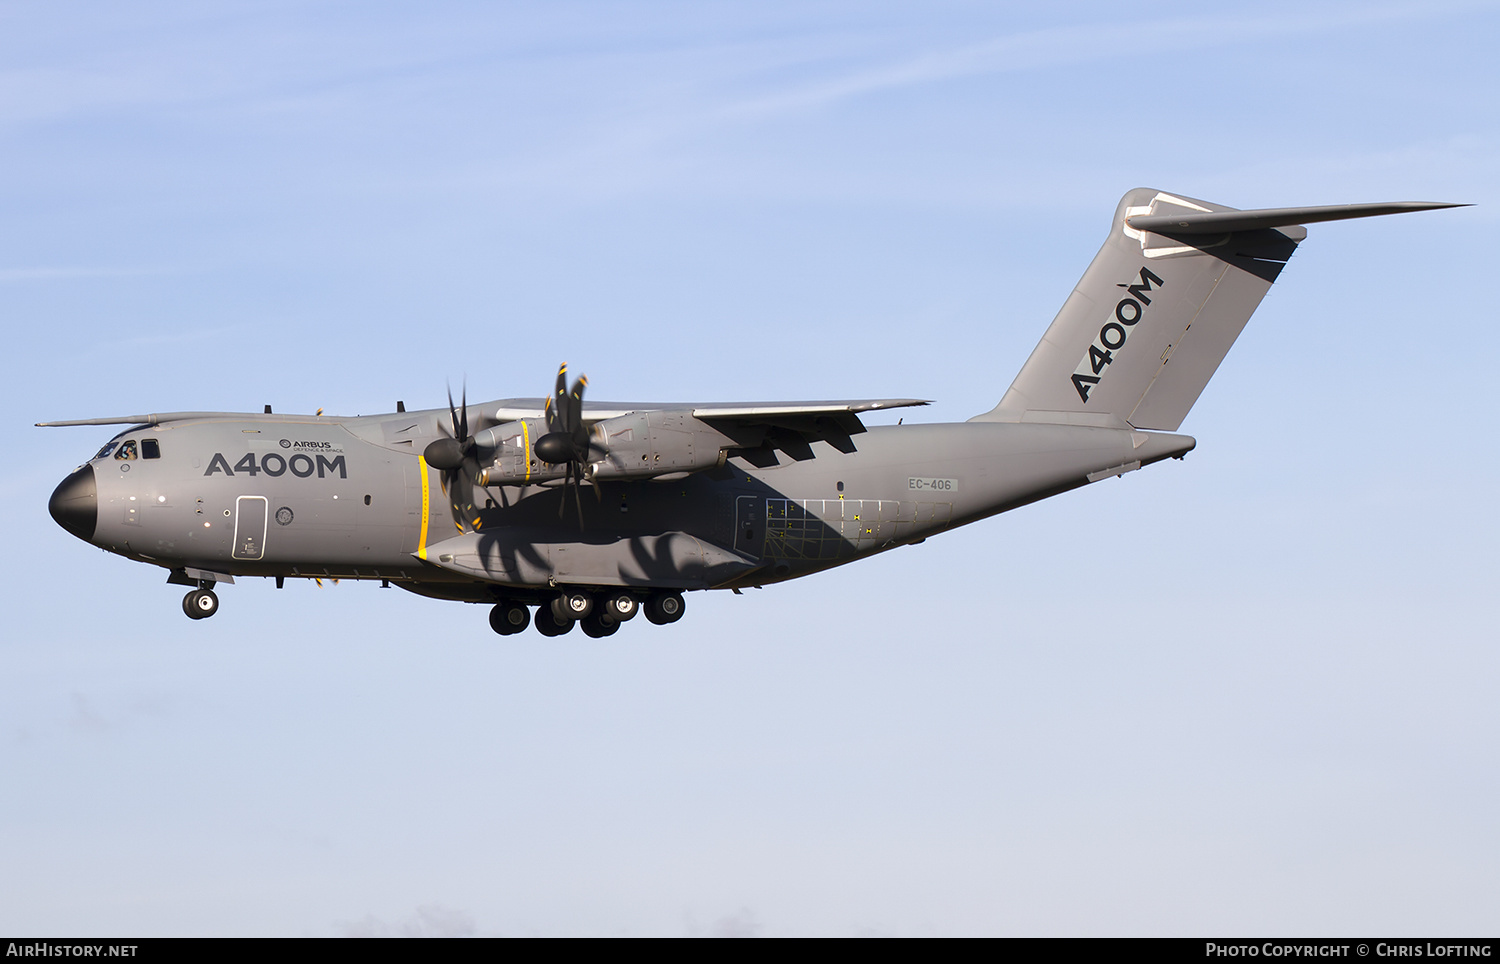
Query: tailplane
column 1159, row 308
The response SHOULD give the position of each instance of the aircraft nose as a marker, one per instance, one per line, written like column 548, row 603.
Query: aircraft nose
column 75, row 503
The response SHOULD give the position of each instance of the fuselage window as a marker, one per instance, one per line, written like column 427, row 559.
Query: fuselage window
column 127, row 450
column 104, row 452
column 150, row 448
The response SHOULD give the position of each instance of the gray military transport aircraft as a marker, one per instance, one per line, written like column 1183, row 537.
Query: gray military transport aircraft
column 484, row 503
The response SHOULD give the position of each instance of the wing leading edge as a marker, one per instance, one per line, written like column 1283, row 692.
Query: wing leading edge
column 515, row 409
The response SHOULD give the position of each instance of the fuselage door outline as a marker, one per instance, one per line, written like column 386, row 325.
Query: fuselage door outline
column 250, row 517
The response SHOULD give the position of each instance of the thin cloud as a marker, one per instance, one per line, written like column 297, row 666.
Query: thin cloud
column 430, row 920
column 70, row 273
column 84, row 719
column 1062, row 46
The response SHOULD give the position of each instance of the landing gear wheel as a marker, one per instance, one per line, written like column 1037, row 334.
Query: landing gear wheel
column 200, row 604
column 548, row 624
column 621, row 605
column 572, row 604
column 598, row 625
column 665, row 607
column 507, row 619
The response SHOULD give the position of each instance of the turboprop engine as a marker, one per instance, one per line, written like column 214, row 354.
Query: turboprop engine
column 639, row 445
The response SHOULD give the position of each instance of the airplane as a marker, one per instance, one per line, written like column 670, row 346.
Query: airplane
column 486, row 503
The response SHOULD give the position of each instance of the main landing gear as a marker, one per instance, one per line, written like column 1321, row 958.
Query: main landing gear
column 508, row 619
column 599, row 613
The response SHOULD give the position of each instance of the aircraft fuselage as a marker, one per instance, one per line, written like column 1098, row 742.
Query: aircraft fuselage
column 347, row 498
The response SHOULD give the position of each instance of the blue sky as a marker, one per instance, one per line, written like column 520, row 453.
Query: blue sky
column 1250, row 692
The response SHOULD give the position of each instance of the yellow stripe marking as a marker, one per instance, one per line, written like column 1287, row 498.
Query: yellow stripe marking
column 526, row 447
column 426, row 510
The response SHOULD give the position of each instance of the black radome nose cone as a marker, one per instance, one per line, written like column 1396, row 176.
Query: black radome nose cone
column 75, row 503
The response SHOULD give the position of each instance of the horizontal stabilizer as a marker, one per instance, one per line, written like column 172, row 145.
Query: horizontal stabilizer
column 1221, row 222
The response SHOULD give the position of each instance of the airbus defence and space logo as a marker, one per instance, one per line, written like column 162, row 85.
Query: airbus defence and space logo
column 1114, row 333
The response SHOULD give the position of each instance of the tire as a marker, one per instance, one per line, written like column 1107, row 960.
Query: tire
column 665, row 607
column 598, row 625
column 548, row 624
column 571, row 605
column 200, row 604
column 507, row 619
column 622, row 606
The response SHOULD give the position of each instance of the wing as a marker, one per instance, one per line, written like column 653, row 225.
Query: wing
column 515, row 409
column 754, row 429
column 635, row 440
column 792, row 427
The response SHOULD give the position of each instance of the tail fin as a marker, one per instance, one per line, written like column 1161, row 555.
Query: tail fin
column 1159, row 308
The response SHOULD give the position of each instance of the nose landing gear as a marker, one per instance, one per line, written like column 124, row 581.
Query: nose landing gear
column 200, row 604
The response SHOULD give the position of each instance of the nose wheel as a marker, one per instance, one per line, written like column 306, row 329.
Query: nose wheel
column 200, row 604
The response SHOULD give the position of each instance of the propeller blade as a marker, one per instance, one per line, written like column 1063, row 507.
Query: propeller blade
column 575, row 419
column 556, row 405
column 463, row 431
column 575, row 474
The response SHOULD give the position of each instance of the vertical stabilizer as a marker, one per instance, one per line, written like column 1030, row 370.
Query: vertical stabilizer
column 1154, row 315
column 1159, row 308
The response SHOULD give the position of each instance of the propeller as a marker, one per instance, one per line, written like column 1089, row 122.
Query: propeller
column 455, row 456
column 567, row 440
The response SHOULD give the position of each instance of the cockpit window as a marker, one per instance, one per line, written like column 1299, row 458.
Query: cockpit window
column 104, row 452
column 150, row 448
column 127, row 450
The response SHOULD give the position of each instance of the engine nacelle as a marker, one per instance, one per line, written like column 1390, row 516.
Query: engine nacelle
column 647, row 444
column 506, row 455
column 636, row 446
